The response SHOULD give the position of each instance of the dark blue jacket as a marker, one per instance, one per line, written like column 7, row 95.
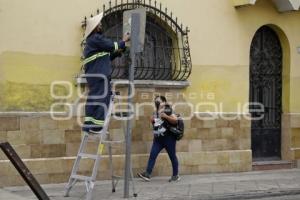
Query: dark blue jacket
column 97, row 43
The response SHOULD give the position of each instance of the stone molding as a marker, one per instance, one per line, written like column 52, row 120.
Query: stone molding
column 282, row 5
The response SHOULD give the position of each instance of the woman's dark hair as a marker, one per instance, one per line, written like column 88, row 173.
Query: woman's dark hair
column 162, row 98
column 157, row 103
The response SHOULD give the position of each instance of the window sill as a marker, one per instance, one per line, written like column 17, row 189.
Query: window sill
column 144, row 83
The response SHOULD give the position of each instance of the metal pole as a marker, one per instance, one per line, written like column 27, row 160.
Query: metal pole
column 135, row 27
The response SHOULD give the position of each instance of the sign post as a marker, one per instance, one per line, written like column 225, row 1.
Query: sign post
column 134, row 24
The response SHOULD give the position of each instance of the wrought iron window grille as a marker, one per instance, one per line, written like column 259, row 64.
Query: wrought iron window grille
column 166, row 53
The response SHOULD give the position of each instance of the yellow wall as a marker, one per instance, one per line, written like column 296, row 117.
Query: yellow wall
column 27, row 78
column 40, row 43
column 220, row 41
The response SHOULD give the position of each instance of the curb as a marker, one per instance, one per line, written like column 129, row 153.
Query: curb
column 239, row 196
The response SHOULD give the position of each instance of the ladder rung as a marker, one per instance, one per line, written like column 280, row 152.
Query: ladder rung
column 81, row 178
column 91, row 156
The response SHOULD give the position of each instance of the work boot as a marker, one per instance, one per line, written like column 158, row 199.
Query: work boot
column 174, row 178
column 145, row 176
column 95, row 130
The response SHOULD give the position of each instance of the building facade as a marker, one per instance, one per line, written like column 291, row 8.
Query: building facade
column 233, row 52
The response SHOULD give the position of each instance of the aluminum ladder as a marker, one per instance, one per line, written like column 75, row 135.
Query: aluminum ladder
column 101, row 138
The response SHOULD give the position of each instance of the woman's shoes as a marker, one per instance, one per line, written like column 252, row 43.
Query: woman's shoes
column 145, row 176
column 174, row 178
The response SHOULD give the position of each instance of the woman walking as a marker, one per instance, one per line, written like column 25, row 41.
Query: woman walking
column 162, row 118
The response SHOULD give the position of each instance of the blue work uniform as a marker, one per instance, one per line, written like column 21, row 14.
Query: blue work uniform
column 98, row 53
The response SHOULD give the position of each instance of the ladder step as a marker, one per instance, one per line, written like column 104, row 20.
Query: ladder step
column 85, row 155
column 81, row 178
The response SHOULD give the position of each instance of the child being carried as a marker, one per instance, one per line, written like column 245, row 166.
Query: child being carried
column 160, row 126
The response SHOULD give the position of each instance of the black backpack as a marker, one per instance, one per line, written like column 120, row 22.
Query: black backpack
column 178, row 130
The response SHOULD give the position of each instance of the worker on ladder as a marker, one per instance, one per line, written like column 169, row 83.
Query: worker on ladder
column 99, row 51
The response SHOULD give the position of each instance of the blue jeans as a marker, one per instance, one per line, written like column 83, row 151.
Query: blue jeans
column 167, row 142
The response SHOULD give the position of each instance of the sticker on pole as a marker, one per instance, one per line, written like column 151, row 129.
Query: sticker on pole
column 100, row 149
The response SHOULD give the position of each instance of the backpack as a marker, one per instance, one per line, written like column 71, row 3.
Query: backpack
column 178, row 130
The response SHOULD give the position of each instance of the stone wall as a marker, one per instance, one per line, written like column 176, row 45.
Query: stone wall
column 49, row 147
column 291, row 136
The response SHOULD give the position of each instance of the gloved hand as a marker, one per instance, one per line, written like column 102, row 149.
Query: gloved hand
column 126, row 37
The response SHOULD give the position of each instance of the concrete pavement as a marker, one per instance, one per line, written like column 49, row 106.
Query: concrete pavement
column 289, row 197
column 8, row 195
column 248, row 185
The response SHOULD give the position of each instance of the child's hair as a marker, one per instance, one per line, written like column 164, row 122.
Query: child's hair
column 168, row 109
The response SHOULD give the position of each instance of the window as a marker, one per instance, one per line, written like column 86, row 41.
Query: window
column 166, row 53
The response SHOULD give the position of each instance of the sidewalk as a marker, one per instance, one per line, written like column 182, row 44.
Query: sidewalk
column 209, row 186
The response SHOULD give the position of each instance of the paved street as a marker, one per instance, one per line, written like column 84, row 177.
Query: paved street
column 265, row 185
